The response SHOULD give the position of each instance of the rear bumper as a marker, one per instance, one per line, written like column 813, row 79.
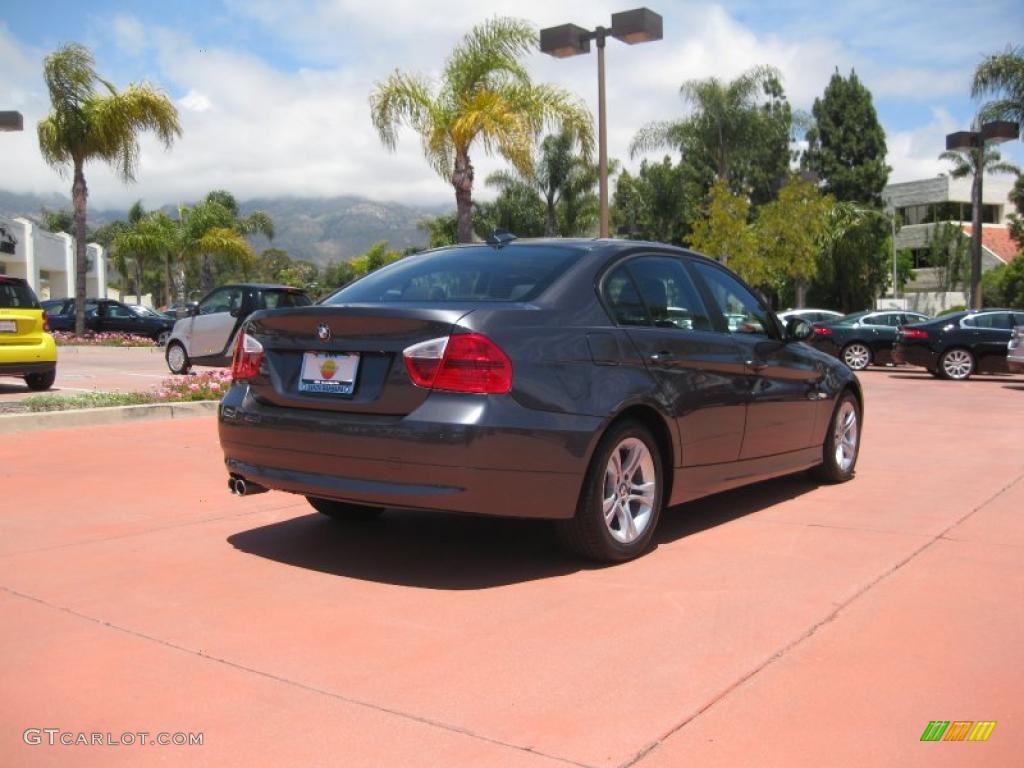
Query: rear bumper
column 1016, row 365
column 474, row 454
column 22, row 369
column 915, row 354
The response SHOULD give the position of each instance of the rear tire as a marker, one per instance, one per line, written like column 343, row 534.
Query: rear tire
column 842, row 443
column 38, row 382
column 341, row 510
column 621, row 499
column 956, row 364
column 177, row 358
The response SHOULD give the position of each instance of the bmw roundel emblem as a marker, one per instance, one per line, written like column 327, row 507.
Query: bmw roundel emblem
column 323, row 332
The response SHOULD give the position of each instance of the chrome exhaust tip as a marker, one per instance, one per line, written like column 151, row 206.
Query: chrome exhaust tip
column 241, row 487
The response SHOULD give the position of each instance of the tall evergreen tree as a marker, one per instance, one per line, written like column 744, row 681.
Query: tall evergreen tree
column 846, row 143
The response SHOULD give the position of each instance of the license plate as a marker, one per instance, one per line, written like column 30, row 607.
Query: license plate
column 8, row 326
column 329, row 372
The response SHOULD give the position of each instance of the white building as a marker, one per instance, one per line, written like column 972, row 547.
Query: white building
column 921, row 205
column 47, row 260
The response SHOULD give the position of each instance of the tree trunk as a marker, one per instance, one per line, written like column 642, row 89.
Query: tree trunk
column 79, row 193
column 462, row 181
column 138, row 284
column 169, row 293
column 206, row 273
column 550, row 221
column 801, row 293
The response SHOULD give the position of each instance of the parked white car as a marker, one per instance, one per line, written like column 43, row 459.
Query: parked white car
column 810, row 316
column 207, row 335
column 1015, row 350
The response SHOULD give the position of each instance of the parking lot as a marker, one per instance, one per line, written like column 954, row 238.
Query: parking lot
column 89, row 369
column 783, row 624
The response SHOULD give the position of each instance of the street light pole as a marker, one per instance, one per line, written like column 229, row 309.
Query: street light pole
column 637, row 26
column 976, row 141
column 602, row 135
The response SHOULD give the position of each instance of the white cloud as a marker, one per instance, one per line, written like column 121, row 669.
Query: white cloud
column 129, row 34
column 194, row 101
column 914, row 154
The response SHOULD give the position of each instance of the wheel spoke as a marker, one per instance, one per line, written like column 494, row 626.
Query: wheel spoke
column 633, row 458
column 628, row 523
column 611, row 510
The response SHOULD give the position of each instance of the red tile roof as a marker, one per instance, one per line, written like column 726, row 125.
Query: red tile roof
column 997, row 240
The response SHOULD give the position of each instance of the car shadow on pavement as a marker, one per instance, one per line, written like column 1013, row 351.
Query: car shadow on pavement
column 455, row 552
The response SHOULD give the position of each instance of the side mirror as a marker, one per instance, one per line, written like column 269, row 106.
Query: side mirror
column 798, row 330
column 192, row 309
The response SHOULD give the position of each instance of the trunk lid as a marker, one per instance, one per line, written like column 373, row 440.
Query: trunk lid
column 377, row 334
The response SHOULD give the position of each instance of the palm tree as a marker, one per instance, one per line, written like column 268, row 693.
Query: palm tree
column 485, row 95
column 89, row 124
column 220, row 209
column 967, row 162
column 124, row 259
column 722, row 127
column 561, row 177
column 1002, row 75
column 196, row 232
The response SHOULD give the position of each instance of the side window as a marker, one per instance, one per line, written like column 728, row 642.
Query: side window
column 892, row 319
column 276, row 299
column 669, row 293
column 743, row 312
column 121, row 313
column 223, row 300
column 910, row 318
column 1018, row 318
column 624, row 300
column 871, row 320
column 1001, row 320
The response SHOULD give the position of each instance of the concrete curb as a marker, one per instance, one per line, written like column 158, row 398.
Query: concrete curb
column 91, row 417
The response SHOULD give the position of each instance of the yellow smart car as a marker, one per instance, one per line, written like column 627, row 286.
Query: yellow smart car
column 26, row 349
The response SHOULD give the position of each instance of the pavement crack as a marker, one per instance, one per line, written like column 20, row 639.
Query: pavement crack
column 828, row 619
column 427, row 721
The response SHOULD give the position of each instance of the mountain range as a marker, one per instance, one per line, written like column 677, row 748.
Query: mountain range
column 317, row 229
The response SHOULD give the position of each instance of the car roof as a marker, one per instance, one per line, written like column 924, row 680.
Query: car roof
column 260, row 286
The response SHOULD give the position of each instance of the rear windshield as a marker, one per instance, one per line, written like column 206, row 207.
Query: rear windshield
column 475, row 273
column 276, row 299
column 16, row 295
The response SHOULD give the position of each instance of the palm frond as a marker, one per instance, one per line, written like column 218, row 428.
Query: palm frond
column 489, row 55
column 656, row 136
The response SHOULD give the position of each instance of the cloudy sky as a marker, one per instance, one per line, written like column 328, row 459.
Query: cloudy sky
column 273, row 95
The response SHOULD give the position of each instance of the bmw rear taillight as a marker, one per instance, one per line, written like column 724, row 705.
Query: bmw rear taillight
column 820, row 330
column 248, row 358
column 46, row 324
column 914, row 333
column 464, row 362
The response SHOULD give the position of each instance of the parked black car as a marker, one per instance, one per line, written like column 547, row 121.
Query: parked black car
column 589, row 381
column 108, row 316
column 955, row 346
column 863, row 338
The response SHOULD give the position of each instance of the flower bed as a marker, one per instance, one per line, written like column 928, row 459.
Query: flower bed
column 209, row 385
column 91, row 339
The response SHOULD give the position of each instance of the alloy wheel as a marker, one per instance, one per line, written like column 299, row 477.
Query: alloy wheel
column 629, row 490
column 845, row 436
column 176, row 359
column 857, row 356
column 957, row 363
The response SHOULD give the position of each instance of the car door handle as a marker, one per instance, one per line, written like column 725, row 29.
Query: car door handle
column 755, row 365
column 661, row 357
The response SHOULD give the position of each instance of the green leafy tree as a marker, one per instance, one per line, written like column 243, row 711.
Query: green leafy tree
column 517, row 209
column 847, row 143
column 724, row 233
column 658, row 203
column 948, row 254
column 440, row 230
column 60, row 220
column 220, row 210
column 91, row 120
column 126, row 261
column 1002, row 75
column 485, row 97
column 788, row 233
column 565, row 181
column 854, row 261
column 737, row 131
column 1017, row 218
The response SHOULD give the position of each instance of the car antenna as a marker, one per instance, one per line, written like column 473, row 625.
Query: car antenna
column 500, row 237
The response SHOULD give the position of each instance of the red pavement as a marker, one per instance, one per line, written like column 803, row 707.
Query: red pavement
column 783, row 625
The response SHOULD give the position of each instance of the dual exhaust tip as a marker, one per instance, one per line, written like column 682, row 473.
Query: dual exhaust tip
column 239, row 486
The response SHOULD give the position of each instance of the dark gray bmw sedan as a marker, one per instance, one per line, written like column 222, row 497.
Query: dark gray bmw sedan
column 591, row 382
